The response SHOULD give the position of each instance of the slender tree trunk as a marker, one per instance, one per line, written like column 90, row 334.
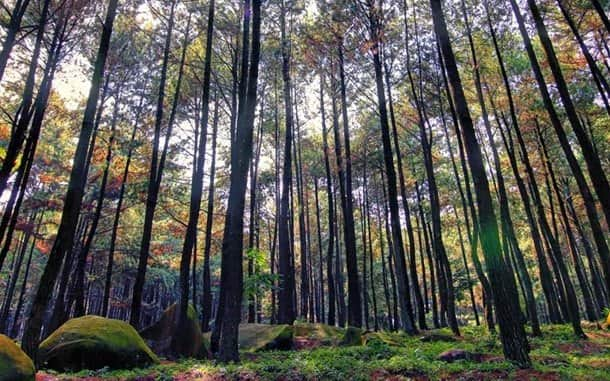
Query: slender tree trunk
column 14, row 331
column 354, row 303
column 73, row 199
column 406, row 312
column 330, row 201
column 206, row 306
column 25, row 109
column 13, row 27
column 155, row 174
column 596, row 171
column 512, row 332
column 585, row 192
column 590, row 307
column 179, row 341
column 118, row 210
column 602, row 13
column 79, row 297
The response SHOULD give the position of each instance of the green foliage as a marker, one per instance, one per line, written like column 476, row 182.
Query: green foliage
column 260, row 281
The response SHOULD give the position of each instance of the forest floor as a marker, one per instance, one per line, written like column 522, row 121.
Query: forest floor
column 558, row 355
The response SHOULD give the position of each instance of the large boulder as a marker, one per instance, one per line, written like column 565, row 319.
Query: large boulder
column 94, row 342
column 166, row 338
column 15, row 365
column 259, row 337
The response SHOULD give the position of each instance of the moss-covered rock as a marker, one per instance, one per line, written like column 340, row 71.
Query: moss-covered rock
column 93, row 342
column 325, row 334
column 15, row 365
column 261, row 337
column 352, row 337
column 161, row 336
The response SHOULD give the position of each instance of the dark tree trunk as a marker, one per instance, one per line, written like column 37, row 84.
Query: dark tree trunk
column 602, row 13
column 13, row 27
column 590, row 307
column 331, row 215
column 14, row 331
column 512, row 332
column 206, row 304
column 354, row 303
column 117, row 213
column 286, row 307
column 79, row 297
column 73, row 199
column 421, row 315
column 596, row 171
column 25, row 109
column 231, row 282
column 406, row 311
column 154, row 177
column 585, row 192
column 179, row 341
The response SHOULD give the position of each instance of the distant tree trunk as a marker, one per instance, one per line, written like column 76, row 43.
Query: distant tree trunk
column 276, row 168
column 321, row 311
column 340, row 280
column 79, row 297
column 596, row 171
column 585, row 192
column 73, row 200
column 505, row 217
column 395, row 323
column 303, row 228
column 13, row 27
column 602, row 14
column 206, row 304
column 421, row 315
column 19, row 255
column 542, row 265
column 331, row 215
column 118, row 210
column 366, row 215
column 512, row 332
column 14, row 331
column 598, row 77
column 155, row 174
column 179, row 341
column 354, row 303
column 404, row 297
column 590, row 308
column 22, row 120
column 365, row 294
column 253, row 223
column 231, row 282
column 598, row 284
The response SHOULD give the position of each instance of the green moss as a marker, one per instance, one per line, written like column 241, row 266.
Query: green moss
column 15, row 365
column 326, row 334
column 257, row 337
column 93, row 342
